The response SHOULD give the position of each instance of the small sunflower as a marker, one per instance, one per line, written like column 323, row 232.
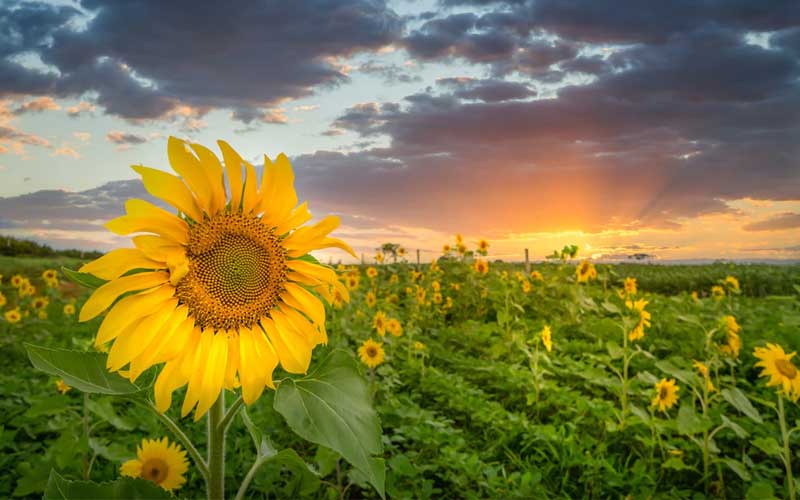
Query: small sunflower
column 401, row 252
column 352, row 282
column 62, row 387
column 394, row 279
column 733, row 343
column 69, row 309
column 50, row 275
column 461, row 248
column 437, row 298
column 483, row 246
column 3, row 300
column 372, row 272
column 448, row 303
column 226, row 293
column 446, row 249
column 459, row 238
column 160, row 462
column 480, row 266
column 379, row 323
column 695, row 296
column 371, row 353
column 703, row 369
column 394, row 327
column 778, row 366
column 379, row 258
column 370, row 300
column 547, row 338
column 717, row 292
column 526, row 286
column 420, row 295
column 40, row 303
column 630, row 286
column 419, row 346
column 666, row 395
column 17, row 281
column 436, row 286
column 644, row 318
column 13, row 315
column 536, row 276
column 585, row 271
column 731, row 283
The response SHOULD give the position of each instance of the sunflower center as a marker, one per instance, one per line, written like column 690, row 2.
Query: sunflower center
column 786, row 368
column 663, row 392
column 155, row 470
column 237, row 268
column 372, row 351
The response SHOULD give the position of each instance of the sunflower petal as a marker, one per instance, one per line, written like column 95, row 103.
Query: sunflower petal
column 293, row 348
column 193, row 173
column 129, row 309
column 213, row 170
column 146, row 217
column 130, row 344
column 171, row 189
column 309, row 304
column 118, row 262
column 299, row 216
column 278, row 196
column 214, row 376
column 196, row 369
column 103, row 297
column 233, row 166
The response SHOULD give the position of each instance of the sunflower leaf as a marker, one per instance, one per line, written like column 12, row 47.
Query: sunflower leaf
column 331, row 406
column 85, row 371
column 83, row 279
column 739, row 401
column 59, row 488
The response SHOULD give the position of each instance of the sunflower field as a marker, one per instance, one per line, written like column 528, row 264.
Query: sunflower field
column 218, row 357
column 573, row 380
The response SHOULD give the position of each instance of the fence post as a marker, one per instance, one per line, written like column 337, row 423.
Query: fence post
column 362, row 259
column 527, row 263
column 417, row 259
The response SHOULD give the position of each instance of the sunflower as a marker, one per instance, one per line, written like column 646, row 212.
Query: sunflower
column 461, row 248
column 160, row 462
column 526, row 286
column 437, row 298
column 40, row 303
column 3, row 300
column 401, row 251
column 666, row 394
column 379, row 258
column 695, row 296
column 703, row 369
column 717, row 292
column 370, row 300
column 394, row 327
column 630, row 286
column 394, row 279
column 62, row 387
column 446, row 249
column 371, row 272
column 352, row 282
column 585, row 271
column 536, row 276
column 778, row 366
column 50, row 274
column 480, row 266
column 547, row 338
column 228, row 291
column 419, row 345
column 379, row 323
column 483, row 246
column 371, row 353
column 459, row 239
column 448, row 303
column 13, row 315
column 17, row 281
column 644, row 318
column 69, row 309
column 420, row 295
column 436, row 286
column 731, row 283
column 733, row 343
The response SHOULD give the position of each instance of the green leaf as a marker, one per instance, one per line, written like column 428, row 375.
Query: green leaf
column 737, row 467
column 739, row 401
column 331, row 406
column 675, row 463
column 761, row 490
column 684, row 376
column 307, row 480
column 611, row 307
column 326, row 460
column 614, row 350
column 740, row 432
column 689, row 422
column 59, row 488
column 84, row 279
column 643, row 415
column 768, row 445
column 104, row 409
column 85, row 371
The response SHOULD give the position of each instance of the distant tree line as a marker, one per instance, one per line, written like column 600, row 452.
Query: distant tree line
column 15, row 247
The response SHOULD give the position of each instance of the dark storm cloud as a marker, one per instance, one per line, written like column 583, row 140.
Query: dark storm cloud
column 779, row 222
column 490, row 90
column 125, row 138
column 144, row 58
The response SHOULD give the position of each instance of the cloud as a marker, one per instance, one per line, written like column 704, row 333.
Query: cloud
column 125, row 138
column 66, row 150
column 82, row 136
column 390, row 73
column 491, row 90
column 780, row 222
column 81, row 108
column 256, row 55
column 37, row 105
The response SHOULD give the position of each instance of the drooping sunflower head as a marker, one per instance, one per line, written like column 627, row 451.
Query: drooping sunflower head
column 379, row 323
column 547, row 338
column 371, row 353
column 483, row 245
column 221, row 291
column 160, row 462
column 394, row 327
column 585, row 271
column 666, row 394
column 703, row 370
column 778, row 366
column 630, row 286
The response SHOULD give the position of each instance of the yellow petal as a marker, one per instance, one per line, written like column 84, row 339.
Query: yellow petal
column 306, row 301
column 214, row 375
column 213, row 170
column 176, row 343
column 155, row 247
column 167, row 335
column 167, row 382
column 233, row 166
column 278, row 196
column 146, row 217
column 251, row 374
column 251, row 196
column 299, row 216
column 315, row 332
column 292, row 347
column 197, row 366
column 103, row 297
column 268, row 355
column 232, row 365
column 118, row 262
column 129, row 345
column 170, row 189
column 316, row 271
column 129, row 309
column 192, row 171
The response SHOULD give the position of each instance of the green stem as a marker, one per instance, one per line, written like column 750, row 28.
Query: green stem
column 249, row 477
column 231, row 414
column 216, row 450
column 180, row 435
column 625, row 361
column 787, row 454
column 86, row 467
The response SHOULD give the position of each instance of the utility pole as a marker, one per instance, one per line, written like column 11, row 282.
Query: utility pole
column 527, row 263
column 417, row 259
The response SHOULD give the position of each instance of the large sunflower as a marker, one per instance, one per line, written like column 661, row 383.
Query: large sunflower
column 221, row 292
column 778, row 366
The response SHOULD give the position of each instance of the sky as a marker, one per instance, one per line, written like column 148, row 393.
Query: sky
column 624, row 126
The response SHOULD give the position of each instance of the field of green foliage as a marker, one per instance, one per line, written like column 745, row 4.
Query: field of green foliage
column 489, row 381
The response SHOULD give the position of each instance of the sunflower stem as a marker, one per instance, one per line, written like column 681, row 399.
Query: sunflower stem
column 231, row 414
column 180, row 435
column 249, row 477
column 215, row 483
column 787, row 454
